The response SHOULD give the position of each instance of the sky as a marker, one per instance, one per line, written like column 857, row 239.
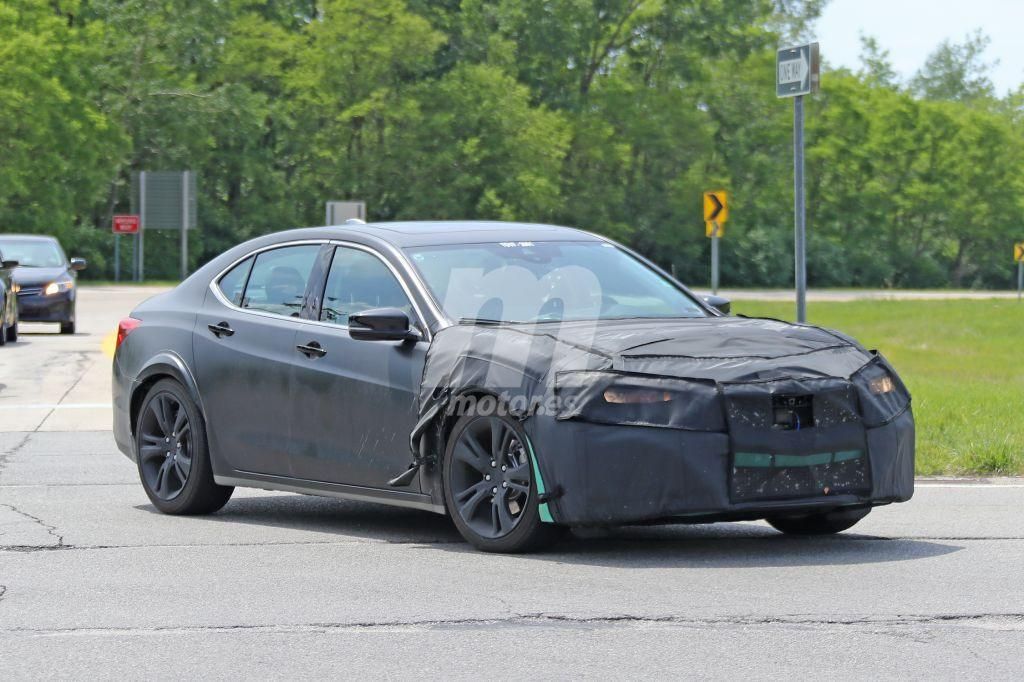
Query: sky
column 911, row 29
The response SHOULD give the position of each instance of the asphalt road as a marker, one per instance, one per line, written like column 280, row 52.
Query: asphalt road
column 94, row 583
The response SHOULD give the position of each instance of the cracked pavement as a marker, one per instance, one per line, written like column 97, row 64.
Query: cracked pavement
column 95, row 583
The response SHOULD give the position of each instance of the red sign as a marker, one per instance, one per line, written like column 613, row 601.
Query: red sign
column 126, row 224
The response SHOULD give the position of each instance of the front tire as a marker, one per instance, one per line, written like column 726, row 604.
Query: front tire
column 172, row 453
column 67, row 327
column 489, row 488
column 828, row 523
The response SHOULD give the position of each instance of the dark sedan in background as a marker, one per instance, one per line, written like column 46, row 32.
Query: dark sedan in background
column 519, row 378
column 45, row 278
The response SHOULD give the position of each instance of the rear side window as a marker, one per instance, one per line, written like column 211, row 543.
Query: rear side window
column 232, row 284
column 360, row 281
column 277, row 283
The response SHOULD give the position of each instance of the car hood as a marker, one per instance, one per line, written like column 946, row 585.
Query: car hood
column 528, row 358
column 38, row 276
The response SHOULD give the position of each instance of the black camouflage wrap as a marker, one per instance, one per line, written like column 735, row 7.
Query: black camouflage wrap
column 714, row 450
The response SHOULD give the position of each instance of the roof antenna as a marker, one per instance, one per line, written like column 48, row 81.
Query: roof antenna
column 355, row 221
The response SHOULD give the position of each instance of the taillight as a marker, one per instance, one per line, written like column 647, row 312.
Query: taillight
column 124, row 328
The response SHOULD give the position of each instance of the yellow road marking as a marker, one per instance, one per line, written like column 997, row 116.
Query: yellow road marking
column 108, row 344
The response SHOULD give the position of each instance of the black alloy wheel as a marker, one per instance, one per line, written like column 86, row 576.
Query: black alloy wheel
column 165, row 445
column 489, row 487
column 172, row 454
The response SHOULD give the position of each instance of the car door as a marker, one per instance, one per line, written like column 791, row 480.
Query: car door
column 354, row 403
column 244, row 351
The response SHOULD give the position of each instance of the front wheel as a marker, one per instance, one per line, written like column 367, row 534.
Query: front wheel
column 67, row 327
column 172, row 454
column 489, row 488
column 827, row 523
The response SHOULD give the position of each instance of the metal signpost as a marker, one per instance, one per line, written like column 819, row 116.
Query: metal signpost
column 340, row 211
column 797, row 74
column 716, row 212
column 122, row 224
column 1018, row 255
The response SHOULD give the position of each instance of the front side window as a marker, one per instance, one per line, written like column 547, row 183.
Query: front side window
column 360, row 281
column 277, row 283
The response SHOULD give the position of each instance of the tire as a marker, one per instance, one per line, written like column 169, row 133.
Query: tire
column 177, row 476
column 470, row 497
column 828, row 523
column 67, row 327
column 3, row 333
column 12, row 333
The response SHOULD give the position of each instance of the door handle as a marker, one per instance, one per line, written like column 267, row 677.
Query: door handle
column 312, row 350
column 221, row 329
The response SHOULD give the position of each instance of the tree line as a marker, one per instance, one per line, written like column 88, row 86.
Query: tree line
column 610, row 115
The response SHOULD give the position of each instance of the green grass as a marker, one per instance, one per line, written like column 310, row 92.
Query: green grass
column 963, row 362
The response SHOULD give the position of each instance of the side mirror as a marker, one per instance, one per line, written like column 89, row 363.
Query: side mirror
column 722, row 305
column 9, row 264
column 78, row 264
column 381, row 324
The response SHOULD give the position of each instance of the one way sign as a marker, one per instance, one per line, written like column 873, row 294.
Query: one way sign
column 797, row 70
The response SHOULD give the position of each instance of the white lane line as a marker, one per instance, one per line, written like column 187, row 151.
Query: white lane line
column 970, row 485
column 57, row 406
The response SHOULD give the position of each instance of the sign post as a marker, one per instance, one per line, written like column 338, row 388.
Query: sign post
column 1018, row 255
column 122, row 224
column 797, row 74
column 716, row 212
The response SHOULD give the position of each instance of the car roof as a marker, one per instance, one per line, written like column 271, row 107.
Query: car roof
column 441, row 232
column 29, row 237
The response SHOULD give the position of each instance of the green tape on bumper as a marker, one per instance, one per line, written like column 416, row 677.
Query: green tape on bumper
column 760, row 459
column 545, row 513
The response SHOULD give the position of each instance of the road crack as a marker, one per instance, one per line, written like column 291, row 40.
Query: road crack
column 1015, row 620
column 50, row 530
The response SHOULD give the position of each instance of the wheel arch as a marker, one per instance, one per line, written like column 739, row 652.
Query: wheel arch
column 164, row 365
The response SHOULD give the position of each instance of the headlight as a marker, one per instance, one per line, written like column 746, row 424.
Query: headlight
column 621, row 395
column 882, row 384
column 638, row 400
column 883, row 397
column 15, row 287
column 57, row 287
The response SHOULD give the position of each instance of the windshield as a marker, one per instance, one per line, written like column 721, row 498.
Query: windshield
column 546, row 281
column 32, row 253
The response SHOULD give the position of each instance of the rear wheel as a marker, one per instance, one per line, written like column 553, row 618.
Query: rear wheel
column 172, row 454
column 489, row 488
column 819, row 524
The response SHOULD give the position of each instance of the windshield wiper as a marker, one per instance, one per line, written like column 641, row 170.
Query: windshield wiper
column 486, row 321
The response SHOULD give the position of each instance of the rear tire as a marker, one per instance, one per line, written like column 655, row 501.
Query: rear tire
column 172, row 453
column 494, row 508
column 12, row 333
column 828, row 523
column 67, row 327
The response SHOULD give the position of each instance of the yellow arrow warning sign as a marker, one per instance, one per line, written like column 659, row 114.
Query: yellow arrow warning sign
column 716, row 206
column 1018, row 252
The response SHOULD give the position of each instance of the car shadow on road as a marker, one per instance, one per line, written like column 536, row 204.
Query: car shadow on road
column 684, row 546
